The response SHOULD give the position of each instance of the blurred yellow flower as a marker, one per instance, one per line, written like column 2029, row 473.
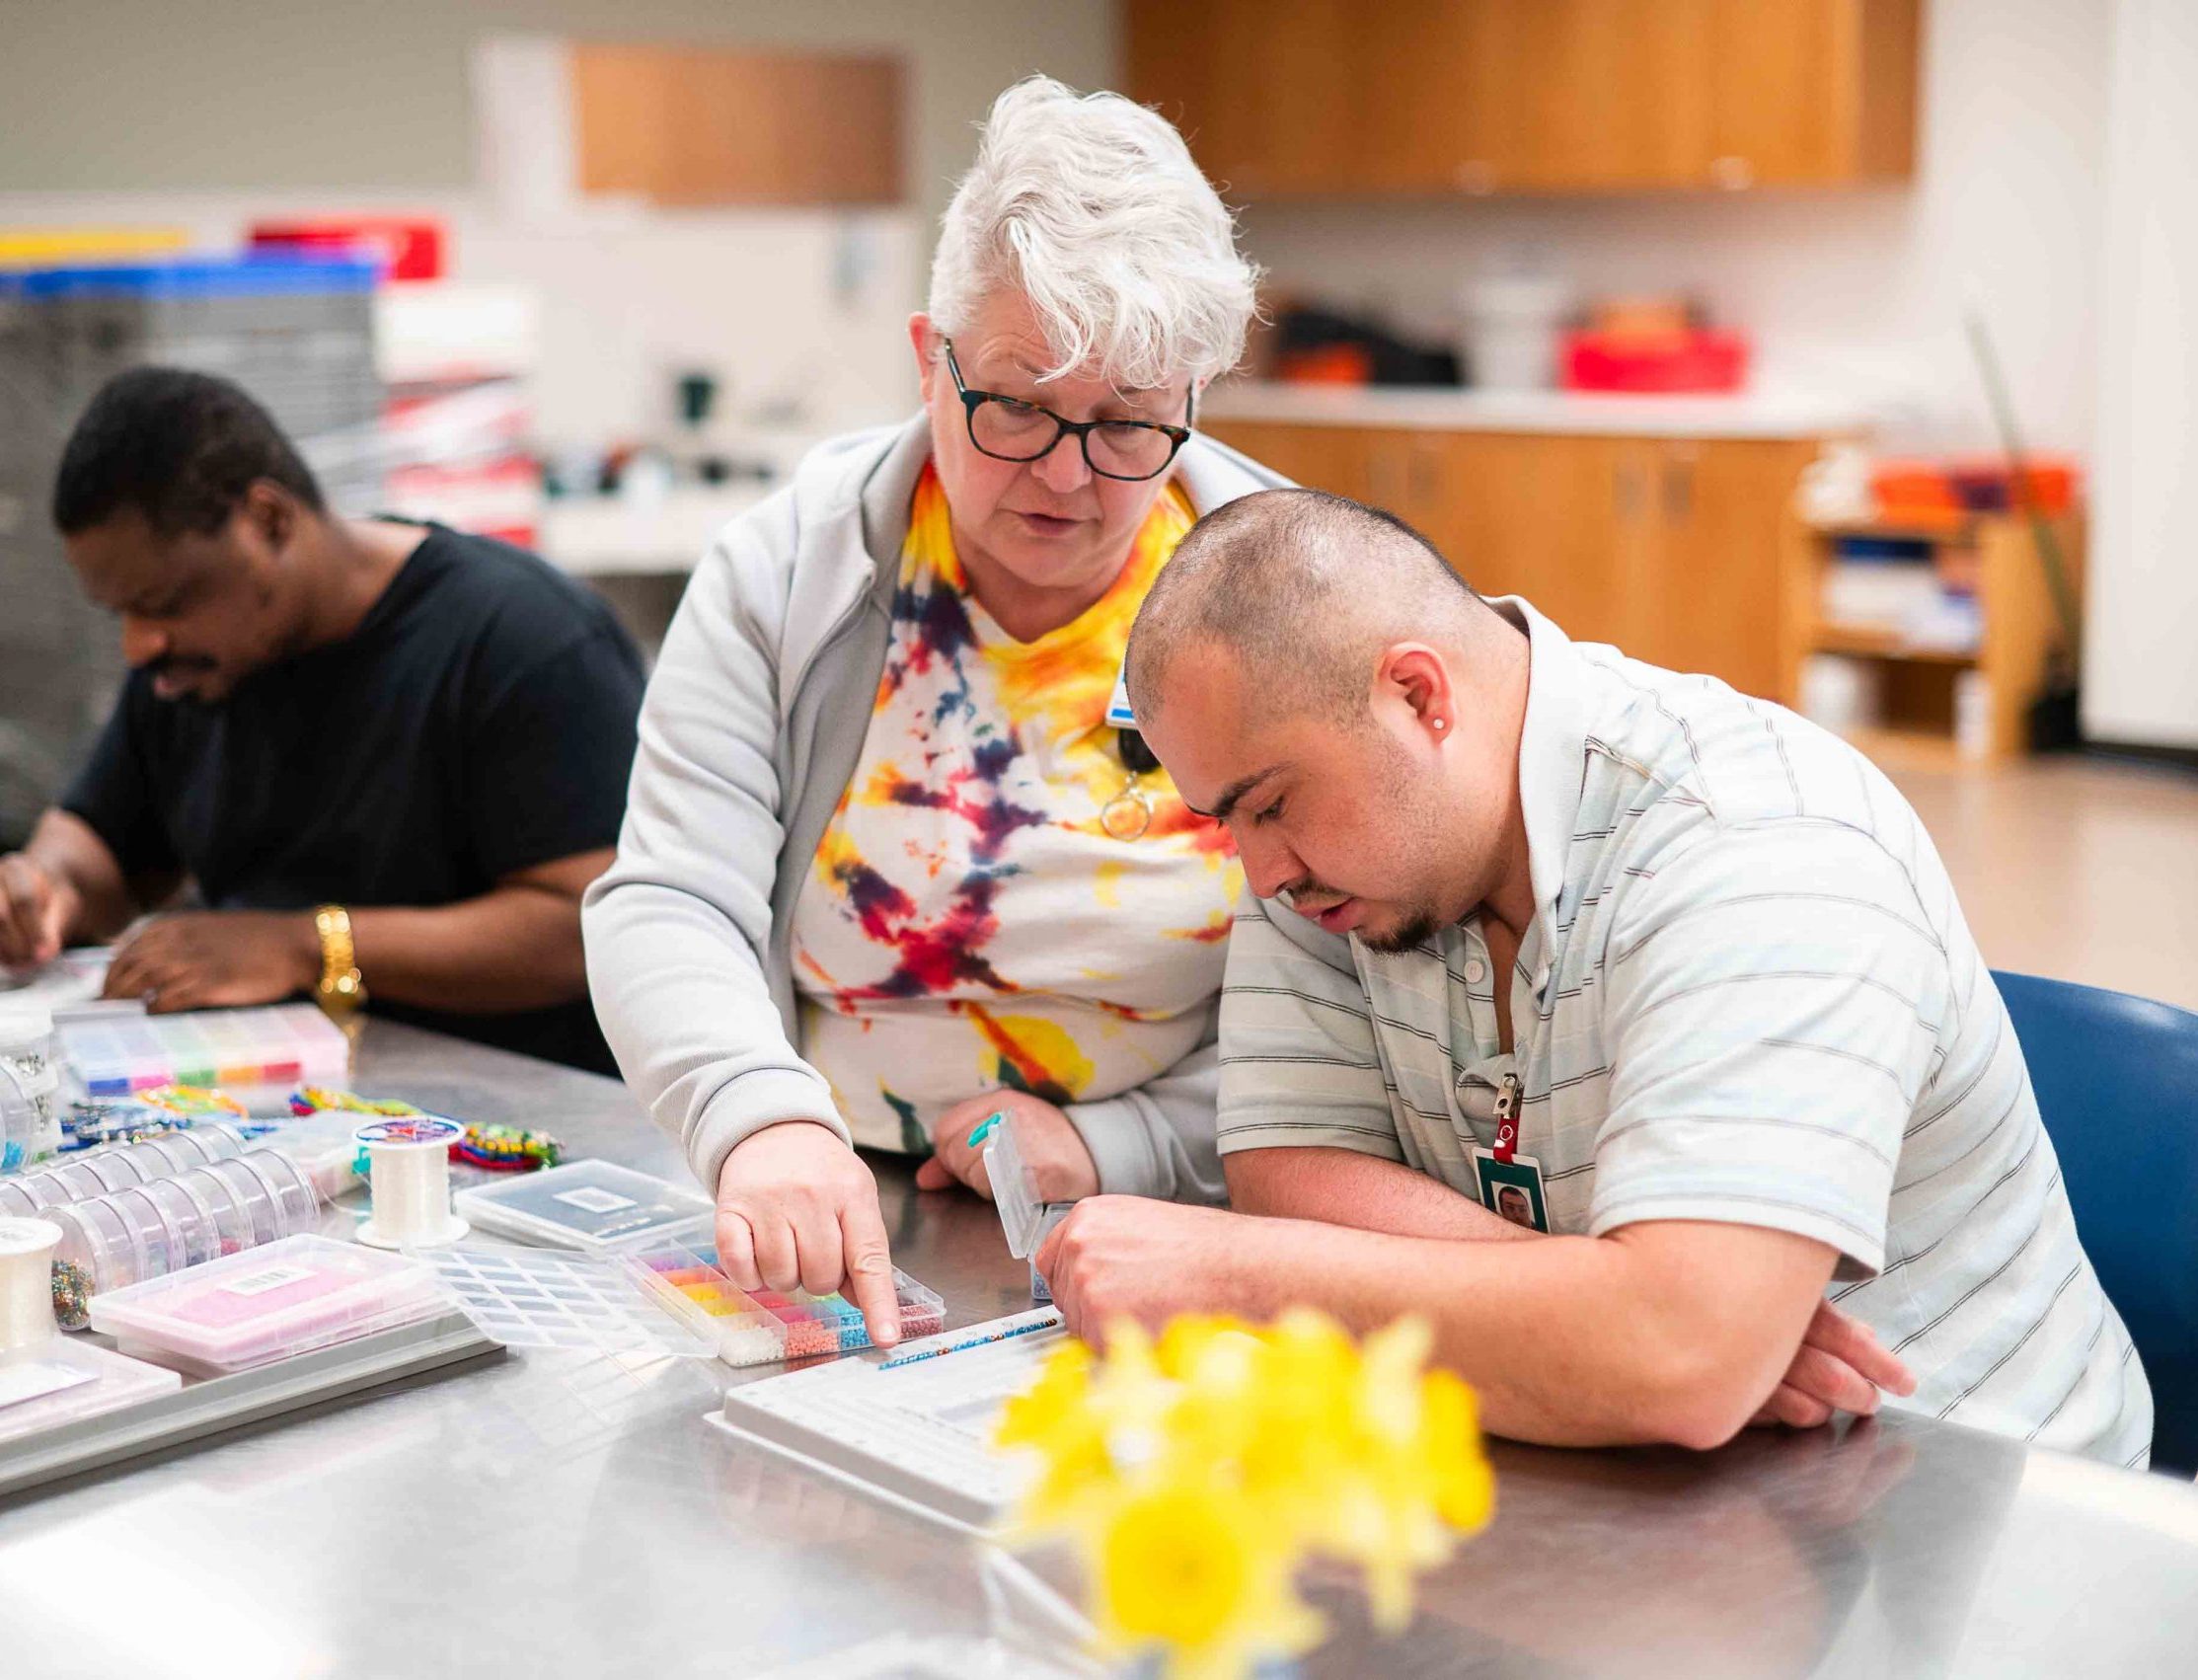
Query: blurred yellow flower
column 1192, row 1569
column 1196, row 1473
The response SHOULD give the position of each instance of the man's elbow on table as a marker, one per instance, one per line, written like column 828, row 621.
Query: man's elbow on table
column 1714, row 1315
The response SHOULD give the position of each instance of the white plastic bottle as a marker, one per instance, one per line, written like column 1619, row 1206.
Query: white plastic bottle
column 30, row 1087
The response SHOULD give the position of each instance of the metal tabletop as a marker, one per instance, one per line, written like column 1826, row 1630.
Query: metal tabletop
column 556, row 1515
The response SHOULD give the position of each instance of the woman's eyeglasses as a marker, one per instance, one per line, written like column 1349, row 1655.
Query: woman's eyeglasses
column 1007, row 428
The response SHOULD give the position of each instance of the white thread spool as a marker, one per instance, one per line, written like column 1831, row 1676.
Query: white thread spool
column 27, row 1283
column 408, row 1160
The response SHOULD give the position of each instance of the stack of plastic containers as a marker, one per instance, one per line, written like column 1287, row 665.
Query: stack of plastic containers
column 291, row 1298
column 101, row 1170
column 151, row 1230
column 29, row 1084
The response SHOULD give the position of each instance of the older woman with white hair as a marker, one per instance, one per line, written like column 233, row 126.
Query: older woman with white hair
column 888, row 868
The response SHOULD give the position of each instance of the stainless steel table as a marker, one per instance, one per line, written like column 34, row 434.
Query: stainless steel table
column 549, row 1515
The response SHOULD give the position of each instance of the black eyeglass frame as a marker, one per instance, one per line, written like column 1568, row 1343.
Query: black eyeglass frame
column 972, row 401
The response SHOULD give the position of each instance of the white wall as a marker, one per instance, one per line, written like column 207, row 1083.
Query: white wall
column 1855, row 292
column 2141, row 666
column 308, row 96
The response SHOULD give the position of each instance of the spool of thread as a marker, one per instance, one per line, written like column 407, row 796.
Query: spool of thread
column 27, row 1281
column 409, row 1177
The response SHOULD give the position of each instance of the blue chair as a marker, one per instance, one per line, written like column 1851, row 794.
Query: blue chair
column 2117, row 1083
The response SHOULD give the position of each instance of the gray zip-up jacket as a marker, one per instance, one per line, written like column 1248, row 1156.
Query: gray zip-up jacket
column 752, row 727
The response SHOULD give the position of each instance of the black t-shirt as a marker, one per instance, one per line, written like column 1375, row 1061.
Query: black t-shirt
column 480, row 721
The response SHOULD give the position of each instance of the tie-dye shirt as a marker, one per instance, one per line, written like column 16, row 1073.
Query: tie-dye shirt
column 971, row 923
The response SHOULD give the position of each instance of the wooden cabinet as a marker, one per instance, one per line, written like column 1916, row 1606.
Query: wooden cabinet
column 688, row 125
column 1668, row 548
column 1317, row 99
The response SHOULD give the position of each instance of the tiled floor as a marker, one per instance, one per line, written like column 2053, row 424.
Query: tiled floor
column 2081, row 868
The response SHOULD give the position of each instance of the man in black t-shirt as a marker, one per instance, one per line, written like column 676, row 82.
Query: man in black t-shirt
column 388, row 758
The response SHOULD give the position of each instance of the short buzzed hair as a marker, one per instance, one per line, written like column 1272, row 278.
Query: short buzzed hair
column 179, row 447
column 1304, row 588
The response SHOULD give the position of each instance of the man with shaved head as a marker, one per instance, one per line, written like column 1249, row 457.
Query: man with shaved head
column 1618, row 1023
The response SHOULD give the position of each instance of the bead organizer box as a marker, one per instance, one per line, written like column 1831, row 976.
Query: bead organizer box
column 671, row 1300
column 274, row 1048
column 289, row 1297
column 594, row 1206
column 756, row 1327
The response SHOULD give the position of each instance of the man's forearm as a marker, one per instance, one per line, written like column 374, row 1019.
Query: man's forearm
column 1341, row 1186
column 515, row 947
column 1571, row 1341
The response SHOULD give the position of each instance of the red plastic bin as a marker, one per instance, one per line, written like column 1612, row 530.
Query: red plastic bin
column 1702, row 361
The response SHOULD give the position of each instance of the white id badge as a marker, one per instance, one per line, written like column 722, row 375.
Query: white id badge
column 1512, row 1190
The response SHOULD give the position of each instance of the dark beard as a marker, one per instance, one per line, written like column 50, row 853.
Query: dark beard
column 1414, row 932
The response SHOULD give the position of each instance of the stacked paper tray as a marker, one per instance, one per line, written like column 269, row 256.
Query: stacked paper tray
column 285, row 1045
column 594, row 1206
column 757, row 1327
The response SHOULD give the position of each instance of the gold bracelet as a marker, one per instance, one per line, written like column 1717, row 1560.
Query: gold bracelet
column 343, row 988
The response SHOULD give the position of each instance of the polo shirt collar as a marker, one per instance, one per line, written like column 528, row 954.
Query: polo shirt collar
column 1552, row 759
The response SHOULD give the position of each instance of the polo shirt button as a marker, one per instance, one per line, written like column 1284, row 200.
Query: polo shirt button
column 1476, row 970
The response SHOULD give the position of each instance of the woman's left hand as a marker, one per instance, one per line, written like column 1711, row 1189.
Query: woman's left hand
column 1054, row 1153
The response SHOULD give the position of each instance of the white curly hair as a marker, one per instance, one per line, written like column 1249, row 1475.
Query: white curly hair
column 1090, row 206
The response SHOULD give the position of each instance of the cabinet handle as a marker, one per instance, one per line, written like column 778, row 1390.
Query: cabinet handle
column 1419, row 480
column 1733, row 174
column 1628, row 493
column 1679, row 488
column 1478, row 177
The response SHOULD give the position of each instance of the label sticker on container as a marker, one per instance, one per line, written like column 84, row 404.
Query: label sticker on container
column 40, row 1377
column 272, row 1277
column 591, row 1200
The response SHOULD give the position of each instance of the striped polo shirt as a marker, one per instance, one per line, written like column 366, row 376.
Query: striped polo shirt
column 1746, row 995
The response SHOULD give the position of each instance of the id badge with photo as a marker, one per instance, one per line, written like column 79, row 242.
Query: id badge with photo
column 1512, row 1190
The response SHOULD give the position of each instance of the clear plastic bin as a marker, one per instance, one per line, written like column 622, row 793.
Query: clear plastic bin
column 289, row 1297
column 192, row 1220
column 232, row 1225
column 59, row 1381
column 253, row 1195
column 297, row 1204
column 595, row 1206
column 97, row 1240
column 161, row 1247
column 113, row 1169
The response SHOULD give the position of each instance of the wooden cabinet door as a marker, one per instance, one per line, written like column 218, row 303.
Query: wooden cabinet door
column 1559, row 519
column 1337, row 458
column 1812, row 91
column 689, row 126
column 1271, row 99
column 1714, row 601
column 1595, row 94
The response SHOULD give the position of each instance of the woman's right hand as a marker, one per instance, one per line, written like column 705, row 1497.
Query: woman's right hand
column 797, row 1208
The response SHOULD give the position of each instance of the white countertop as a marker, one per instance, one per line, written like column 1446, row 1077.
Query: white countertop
column 1748, row 413
column 607, row 536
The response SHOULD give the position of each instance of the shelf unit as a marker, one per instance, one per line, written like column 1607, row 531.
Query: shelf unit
column 2018, row 638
